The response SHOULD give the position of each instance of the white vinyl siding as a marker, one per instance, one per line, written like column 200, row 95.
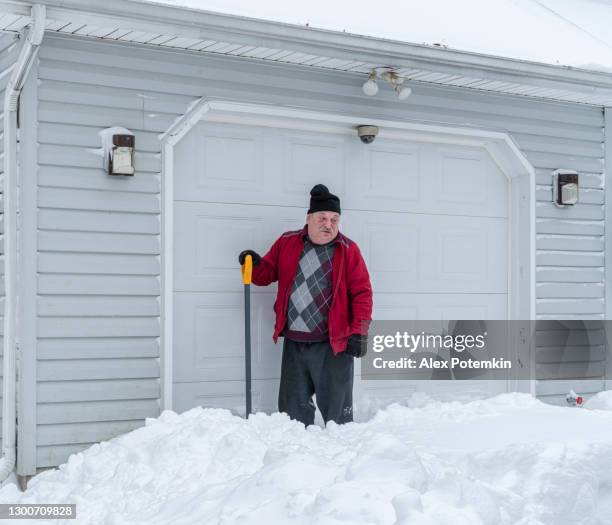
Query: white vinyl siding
column 99, row 236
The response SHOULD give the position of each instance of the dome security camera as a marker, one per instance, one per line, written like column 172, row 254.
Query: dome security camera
column 367, row 134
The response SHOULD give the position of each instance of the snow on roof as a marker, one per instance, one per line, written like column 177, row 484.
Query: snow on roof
column 559, row 32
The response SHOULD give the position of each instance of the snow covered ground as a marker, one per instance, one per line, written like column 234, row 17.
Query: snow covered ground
column 506, row 460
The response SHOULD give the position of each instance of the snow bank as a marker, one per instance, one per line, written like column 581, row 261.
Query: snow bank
column 506, row 460
column 600, row 401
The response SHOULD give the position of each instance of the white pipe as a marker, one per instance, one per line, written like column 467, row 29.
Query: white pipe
column 11, row 99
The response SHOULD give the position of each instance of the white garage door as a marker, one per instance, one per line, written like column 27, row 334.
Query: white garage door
column 431, row 221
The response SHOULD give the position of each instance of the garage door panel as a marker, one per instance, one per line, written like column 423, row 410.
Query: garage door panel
column 209, row 237
column 445, row 306
column 219, row 160
column 226, row 394
column 431, row 254
column 209, row 337
column 392, row 173
column 468, row 182
column 425, row 179
column 229, row 163
column 309, row 159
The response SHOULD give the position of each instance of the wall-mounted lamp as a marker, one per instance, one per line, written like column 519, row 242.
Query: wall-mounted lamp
column 370, row 86
column 565, row 187
column 118, row 151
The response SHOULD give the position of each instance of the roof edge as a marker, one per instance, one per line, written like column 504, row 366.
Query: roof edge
column 167, row 19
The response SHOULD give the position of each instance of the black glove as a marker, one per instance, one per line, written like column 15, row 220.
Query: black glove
column 255, row 256
column 357, row 345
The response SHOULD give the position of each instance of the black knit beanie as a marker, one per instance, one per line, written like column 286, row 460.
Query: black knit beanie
column 322, row 200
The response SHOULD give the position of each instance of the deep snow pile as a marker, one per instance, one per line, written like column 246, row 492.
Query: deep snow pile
column 507, row 460
column 600, row 401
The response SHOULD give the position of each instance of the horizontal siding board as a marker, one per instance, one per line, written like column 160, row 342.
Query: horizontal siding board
column 125, row 409
column 81, row 369
column 572, row 162
column 84, row 432
column 570, row 306
column 88, row 136
column 556, row 387
column 86, row 263
column 97, row 242
column 98, row 326
column 584, row 211
column 571, row 242
column 54, row 155
column 59, row 284
column 98, row 390
column 558, row 317
column 83, row 115
column 96, row 179
column 98, row 200
column 62, row 305
column 570, row 227
column 551, row 326
column 560, row 146
column 54, row 455
column 569, row 354
column 110, row 96
column 98, row 221
column 574, row 259
column 96, row 348
column 93, row 95
column 577, row 290
column 583, row 370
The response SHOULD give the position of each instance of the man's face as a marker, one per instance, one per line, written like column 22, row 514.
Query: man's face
column 322, row 226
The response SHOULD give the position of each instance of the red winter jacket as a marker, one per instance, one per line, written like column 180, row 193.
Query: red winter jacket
column 351, row 307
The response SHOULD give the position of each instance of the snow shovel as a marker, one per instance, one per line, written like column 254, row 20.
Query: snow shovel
column 247, row 272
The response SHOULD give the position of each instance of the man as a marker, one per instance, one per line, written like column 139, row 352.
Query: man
column 323, row 310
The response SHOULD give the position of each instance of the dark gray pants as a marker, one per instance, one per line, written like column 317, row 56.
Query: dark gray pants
column 312, row 368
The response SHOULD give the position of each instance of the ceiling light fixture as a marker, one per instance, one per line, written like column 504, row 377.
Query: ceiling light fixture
column 370, row 86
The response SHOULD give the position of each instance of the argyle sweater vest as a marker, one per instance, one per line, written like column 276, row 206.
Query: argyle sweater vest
column 311, row 294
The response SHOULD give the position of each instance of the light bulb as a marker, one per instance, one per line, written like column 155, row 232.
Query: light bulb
column 403, row 92
column 370, row 87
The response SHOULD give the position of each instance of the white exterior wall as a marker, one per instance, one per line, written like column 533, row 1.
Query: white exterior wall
column 98, row 242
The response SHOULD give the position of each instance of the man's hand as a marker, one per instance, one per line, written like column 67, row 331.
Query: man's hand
column 253, row 254
column 357, row 345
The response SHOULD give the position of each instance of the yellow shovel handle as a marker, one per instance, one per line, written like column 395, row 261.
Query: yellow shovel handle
column 247, row 270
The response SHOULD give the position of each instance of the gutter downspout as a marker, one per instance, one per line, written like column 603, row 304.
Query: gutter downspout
column 19, row 74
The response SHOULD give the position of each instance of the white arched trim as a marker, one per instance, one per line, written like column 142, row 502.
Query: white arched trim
column 501, row 147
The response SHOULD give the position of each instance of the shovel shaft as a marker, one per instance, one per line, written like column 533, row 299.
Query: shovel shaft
column 247, row 271
column 247, row 346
